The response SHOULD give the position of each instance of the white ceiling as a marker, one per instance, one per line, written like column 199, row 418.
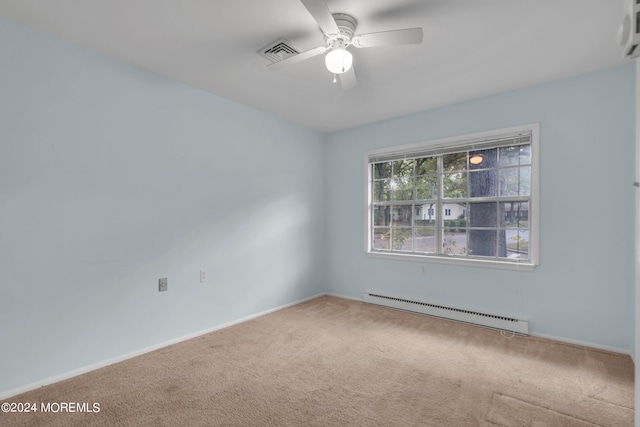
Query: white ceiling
column 471, row 48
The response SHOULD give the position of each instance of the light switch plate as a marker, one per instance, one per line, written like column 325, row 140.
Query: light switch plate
column 162, row 284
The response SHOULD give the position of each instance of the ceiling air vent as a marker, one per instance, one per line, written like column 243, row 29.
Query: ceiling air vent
column 278, row 50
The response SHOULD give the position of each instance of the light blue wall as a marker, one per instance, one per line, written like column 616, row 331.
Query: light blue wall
column 112, row 177
column 583, row 289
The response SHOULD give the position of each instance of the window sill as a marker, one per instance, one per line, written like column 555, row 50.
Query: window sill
column 466, row 262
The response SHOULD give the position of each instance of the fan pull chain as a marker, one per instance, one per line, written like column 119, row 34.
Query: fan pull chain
column 334, row 78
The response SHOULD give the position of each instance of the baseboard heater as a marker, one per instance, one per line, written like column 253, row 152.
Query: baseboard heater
column 510, row 324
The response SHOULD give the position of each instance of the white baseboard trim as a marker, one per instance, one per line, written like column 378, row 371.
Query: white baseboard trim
column 582, row 343
column 74, row 373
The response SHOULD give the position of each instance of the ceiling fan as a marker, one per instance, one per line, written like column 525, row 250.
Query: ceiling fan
column 339, row 33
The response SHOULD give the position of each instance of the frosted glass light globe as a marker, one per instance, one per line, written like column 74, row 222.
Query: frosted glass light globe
column 338, row 61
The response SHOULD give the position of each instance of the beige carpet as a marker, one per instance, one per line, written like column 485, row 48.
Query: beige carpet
column 336, row 362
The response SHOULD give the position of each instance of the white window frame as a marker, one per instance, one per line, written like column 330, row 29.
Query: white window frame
column 462, row 142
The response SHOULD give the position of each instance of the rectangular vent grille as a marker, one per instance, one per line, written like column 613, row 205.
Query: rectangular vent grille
column 278, row 50
column 505, row 323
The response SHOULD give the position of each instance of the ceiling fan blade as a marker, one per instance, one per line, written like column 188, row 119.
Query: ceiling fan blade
column 348, row 79
column 389, row 38
column 297, row 58
column 321, row 13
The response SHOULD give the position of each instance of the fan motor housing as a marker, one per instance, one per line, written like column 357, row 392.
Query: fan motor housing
column 346, row 24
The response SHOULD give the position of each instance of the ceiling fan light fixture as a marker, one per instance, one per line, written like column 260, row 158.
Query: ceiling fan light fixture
column 338, row 60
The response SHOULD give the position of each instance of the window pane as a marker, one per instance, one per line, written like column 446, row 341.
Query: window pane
column 381, row 216
column 483, row 215
column 425, row 214
column 514, row 214
column 403, row 168
column 403, row 180
column 381, row 238
column 424, row 239
column 427, row 187
column 454, row 242
column 402, row 188
column 517, row 242
column 515, row 155
column 402, row 216
column 510, row 156
column 454, row 185
column 509, row 182
column 453, row 218
column 482, row 159
column 454, row 162
column 453, row 212
column 382, row 190
column 382, row 170
column 525, row 181
column 515, row 181
column 426, row 165
column 402, row 238
column 483, row 183
column 525, row 154
column 483, row 242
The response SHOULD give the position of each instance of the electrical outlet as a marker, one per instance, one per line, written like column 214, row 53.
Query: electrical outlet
column 162, row 284
column 203, row 275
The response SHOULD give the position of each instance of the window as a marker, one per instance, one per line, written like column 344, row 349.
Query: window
column 484, row 185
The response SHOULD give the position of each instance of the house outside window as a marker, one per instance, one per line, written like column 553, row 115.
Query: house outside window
column 485, row 185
